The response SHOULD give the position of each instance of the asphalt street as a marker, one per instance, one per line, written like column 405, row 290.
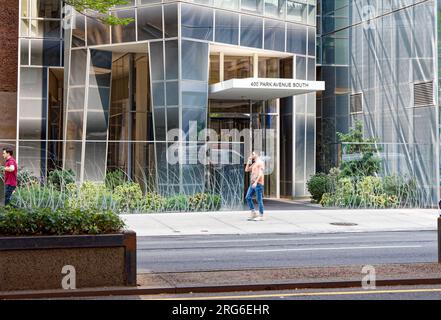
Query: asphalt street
column 422, row 292
column 237, row 252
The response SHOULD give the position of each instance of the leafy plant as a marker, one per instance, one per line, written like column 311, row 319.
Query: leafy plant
column 319, row 184
column 363, row 150
column 115, row 178
column 61, row 178
column 177, row 203
column 45, row 221
column 35, row 196
column 90, row 195
column 128, row 196
column 153, row 202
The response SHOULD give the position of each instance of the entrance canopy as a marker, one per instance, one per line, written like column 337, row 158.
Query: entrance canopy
column 262, row 88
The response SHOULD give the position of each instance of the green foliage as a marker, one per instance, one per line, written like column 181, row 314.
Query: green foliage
column 153, row 202
column 363, row 150
column 204, row 202
column 61, row 178
column 128, row 196
column 45, row 221
column 101, row 9
column 89, row 196
column 177, row 203
column 115, row 178
column 35, row 196
column 319, row 184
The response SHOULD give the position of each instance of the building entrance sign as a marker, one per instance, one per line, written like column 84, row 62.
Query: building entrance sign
column 262, row 88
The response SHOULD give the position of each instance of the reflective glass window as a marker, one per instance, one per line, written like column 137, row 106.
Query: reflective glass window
column 296, row 11
column 45, row 8
column 172, row 93
column 171, row 59
column 311, row 69
column 45, row 28
column 194, row 60
column 296, row 36
column 78, row 73
column 157, row 60
column 45, row 53
column 227, row 4
column 171, row 21
column 227, row 27
column 255, row 6
column 150, row 23
column 275, row 8
column 24, row 52
column 311, row 42
column 32, row 119
column 158, row 94
column 300, row 72
column 79, row 32
column 33, row 82
column 237, row 67
column 274, row 35
column 97, row 32
column 197, row 22
column 24, row 8
column 148, row 1
column 251, row 31
column 125, row 33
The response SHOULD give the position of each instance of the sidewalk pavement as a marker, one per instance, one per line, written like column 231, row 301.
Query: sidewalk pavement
column 252, row 280
column 309, row 221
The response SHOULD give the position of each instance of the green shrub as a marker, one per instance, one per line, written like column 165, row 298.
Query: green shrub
column 35, row 196
column 45, row 221
column 90, row 195
column 177, row 203
column 128, row 196
column 153, row 202
column 25, row 178
column 115, row 178
column 61, row 178
column 204, row 202
column 319, row 184
column 215, row 202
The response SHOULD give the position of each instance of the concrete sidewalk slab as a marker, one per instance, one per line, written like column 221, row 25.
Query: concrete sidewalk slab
column 278, row 221
column 252, row 280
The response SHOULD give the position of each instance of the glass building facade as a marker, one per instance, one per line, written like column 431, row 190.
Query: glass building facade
column 379, row 62
column 94, row 98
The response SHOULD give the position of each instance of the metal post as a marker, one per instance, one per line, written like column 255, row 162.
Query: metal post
column 439, row 234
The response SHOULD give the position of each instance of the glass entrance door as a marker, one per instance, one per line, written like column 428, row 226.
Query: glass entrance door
column 261, row 117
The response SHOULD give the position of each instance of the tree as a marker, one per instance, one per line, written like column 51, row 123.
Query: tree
column 366, row 163
column 99, row 9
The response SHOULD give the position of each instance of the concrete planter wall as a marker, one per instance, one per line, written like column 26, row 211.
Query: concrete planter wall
column 36, row 263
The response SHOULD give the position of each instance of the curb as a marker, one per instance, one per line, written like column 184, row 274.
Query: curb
column 101, row 292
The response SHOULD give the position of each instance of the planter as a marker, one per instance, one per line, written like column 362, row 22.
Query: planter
column 36, row 263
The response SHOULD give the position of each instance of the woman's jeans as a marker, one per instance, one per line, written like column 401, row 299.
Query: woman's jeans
column 259, row 196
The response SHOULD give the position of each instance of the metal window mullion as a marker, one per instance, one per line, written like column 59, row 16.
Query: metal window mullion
column 86, row 99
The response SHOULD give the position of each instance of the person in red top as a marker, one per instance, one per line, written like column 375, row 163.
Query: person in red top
column 10, row 174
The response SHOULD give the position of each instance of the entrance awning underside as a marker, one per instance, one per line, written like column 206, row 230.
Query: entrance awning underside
column 262, row 88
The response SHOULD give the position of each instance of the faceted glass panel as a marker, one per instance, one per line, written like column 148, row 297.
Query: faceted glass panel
column 251, row 31
column 149, row 23
column 97, row 32
column 296, row 39
column 171, row 21
column 197, row 22
column 227, row 27
column 274, row 35
column 125, row 33
column 194, row 60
